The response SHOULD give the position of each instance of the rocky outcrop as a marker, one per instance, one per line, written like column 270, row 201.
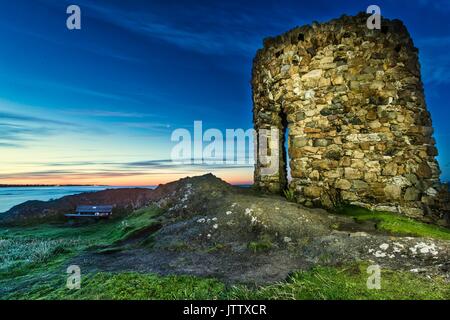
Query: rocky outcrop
column 209, row 228
column 124, row 200
column 359, row 130
column 206, row 227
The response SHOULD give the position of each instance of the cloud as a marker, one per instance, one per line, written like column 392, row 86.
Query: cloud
column 435, row 69
column 72, row 174
column 226, row 32
column 16, row 129
column 100, row 51
column 434, row 41
column 5, row 116
column 9, row 145
column 52, row 86
column 201, row 41
column 189, row 164
column 144, row 164
column 13, row 135
column 155, row 127
column 434, row 59
column 112, row 114
column 438, row 5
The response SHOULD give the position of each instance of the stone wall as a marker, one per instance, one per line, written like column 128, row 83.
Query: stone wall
column 359, row 130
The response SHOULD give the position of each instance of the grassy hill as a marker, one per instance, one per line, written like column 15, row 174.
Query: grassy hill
column 203, row 239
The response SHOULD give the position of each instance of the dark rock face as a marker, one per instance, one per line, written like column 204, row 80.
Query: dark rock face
column 356, row 113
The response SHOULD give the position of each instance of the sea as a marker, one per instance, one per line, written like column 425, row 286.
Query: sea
column 12, row 196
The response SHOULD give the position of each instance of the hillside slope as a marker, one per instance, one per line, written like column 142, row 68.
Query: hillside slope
column 204, row 227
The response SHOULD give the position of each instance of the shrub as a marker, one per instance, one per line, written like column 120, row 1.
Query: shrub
column 24, row 252
column 261, row 245
column 289, row 195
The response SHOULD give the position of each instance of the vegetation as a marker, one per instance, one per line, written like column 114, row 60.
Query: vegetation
column 323, row 283
column 319, row 283
column 335, row 197
column 263, row 244
column 289, row 195
column 217, row 247
column 31, row 260
column 395, row 223
column 19, row 253
column 127, row 286
column 24, row 249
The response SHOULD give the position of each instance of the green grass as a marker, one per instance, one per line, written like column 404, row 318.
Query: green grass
column 104, row 232
column 16, row 253
column 217, row 247
column 396, row 224
column 289, row 195
column 32, row 260
column 328, row 283
column 261, row 245
column 127, row 286
column 27, row 250
column 320, row 283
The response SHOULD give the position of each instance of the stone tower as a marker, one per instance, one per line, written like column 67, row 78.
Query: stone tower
column 350, row 103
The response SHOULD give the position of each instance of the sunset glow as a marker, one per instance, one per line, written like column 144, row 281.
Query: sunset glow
column 98, row 105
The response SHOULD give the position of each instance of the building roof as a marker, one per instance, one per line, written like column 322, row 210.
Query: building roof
column 95, row 209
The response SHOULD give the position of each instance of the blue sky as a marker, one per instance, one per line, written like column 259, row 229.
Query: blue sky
column 98, row 105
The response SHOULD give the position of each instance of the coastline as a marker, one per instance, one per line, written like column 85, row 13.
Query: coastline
column 12, row 196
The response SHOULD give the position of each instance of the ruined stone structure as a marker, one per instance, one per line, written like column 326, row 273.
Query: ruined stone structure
column 353, row 104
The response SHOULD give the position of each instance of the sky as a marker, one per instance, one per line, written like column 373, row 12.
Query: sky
column 99, row 105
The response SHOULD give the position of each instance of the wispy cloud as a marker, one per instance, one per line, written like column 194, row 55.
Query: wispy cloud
column 201, row 41
column 77, row 174
column 13, row 134
column 435, row 59
column 225, row 33
column 99, row 51
column 114, row 169
column 438, row 5
column 434, row 41
column 9, row 145
column 5, row 116
column 53, row 86
column 111, row 114
column 436, row 69
column 189, row 164
column 16, row 129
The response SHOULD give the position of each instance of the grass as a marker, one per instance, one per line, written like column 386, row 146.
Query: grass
column 127, row 286
column 396, row 224
column 289, row 195
column 20, row 253
column 103, row 232
column 31, row 260
column 347, row 283
column 25, row 250
column 217, row 247
column 320, row 283
column 261, row 245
